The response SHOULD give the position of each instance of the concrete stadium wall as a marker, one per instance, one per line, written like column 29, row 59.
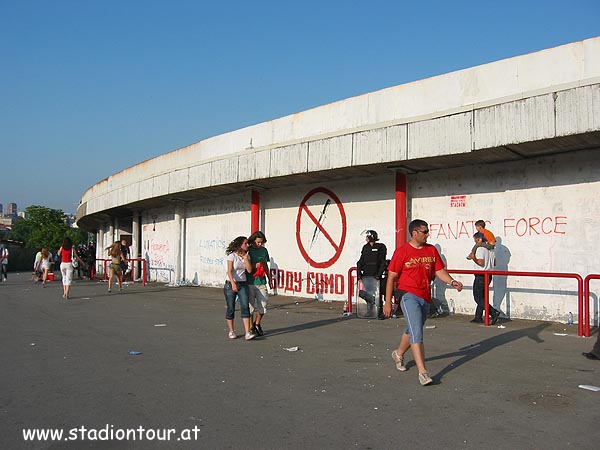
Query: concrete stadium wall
column 541, row 210
column 539, row 114
column 544, row 212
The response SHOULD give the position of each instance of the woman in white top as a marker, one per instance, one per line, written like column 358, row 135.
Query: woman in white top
column 67, row 254
column 238, row 262
column 43, row 264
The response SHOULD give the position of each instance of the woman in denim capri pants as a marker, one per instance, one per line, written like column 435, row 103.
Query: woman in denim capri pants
column 238, row 262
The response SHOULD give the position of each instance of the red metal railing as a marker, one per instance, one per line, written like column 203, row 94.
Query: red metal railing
column 583, row 312
column 105, row 262
column 351, row 282
column 586, row 297
column 583, row 291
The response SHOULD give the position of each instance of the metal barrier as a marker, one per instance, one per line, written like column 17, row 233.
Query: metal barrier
column 105, row 263
column 351, row 287
column 586, row 297
column 583, row 330
column 582, row 291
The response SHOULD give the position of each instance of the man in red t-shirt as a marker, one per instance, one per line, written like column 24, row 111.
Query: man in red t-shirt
column 411, row 270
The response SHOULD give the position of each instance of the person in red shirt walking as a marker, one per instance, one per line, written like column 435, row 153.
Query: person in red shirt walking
column 411, row 271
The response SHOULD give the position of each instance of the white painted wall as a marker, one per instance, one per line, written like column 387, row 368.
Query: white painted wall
column 363, row 207
column 211, row 225
column 158, row 243
column 544, row 212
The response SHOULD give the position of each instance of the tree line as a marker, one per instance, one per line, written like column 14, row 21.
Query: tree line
column 47, row 227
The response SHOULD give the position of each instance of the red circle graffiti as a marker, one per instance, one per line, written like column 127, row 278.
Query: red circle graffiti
column 337, row 246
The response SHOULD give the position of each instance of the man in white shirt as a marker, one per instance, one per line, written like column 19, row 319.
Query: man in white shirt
column 484, row 260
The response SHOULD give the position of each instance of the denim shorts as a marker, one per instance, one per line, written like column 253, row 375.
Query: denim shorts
column 242, row 296
column 415, row 311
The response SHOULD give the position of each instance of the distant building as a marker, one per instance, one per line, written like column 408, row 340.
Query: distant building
column 1, row 210
column 70, row 220
column 11, row 209
column 6, row 221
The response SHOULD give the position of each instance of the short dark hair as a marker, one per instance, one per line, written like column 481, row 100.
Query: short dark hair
column 481, row 223
column 416, row 224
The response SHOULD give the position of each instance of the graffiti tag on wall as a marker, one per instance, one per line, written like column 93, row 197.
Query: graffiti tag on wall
column 511, row 227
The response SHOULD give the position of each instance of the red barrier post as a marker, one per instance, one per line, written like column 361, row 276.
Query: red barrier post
column 586, row 298
column 486, row 299
column 350, row 288
column 582, row 312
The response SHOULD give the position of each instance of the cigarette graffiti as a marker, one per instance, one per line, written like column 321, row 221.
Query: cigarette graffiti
column 320, row 221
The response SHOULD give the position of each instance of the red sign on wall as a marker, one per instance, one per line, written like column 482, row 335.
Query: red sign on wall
column 458, row 201
column 311, row 223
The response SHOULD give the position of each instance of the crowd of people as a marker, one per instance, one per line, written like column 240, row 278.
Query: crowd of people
column 46, row 262
column 78, row 260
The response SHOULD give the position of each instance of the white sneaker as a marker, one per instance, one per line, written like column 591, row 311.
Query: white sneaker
column 399, row 360
column 232, row 335
column 425, row 378
column 250, row 335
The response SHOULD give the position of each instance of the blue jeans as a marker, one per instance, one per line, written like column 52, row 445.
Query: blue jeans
column 243, row 297
column 415, row 311
column 479, row 296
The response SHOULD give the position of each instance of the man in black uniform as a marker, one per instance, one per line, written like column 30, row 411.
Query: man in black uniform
column 91, row 260
column 125, row 251
column 371, row 266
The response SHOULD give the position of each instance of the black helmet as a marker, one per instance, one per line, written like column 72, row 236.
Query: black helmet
column 372, row 235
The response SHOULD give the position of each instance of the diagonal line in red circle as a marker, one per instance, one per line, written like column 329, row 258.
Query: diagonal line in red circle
column 320, row 227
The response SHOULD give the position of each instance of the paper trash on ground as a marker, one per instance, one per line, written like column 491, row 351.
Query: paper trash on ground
column 589, row 387
column 291, row 349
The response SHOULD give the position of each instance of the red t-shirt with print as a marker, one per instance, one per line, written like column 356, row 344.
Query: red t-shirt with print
column 416, row 268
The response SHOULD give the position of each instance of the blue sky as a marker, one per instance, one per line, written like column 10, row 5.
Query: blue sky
column 88, row 88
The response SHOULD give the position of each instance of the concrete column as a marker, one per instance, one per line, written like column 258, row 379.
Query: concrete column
column 177, row 245
column 99, row 240
column 135, row 241
column 99, row 247
column 103, row 243
column 117, row 230
column 111, row 234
